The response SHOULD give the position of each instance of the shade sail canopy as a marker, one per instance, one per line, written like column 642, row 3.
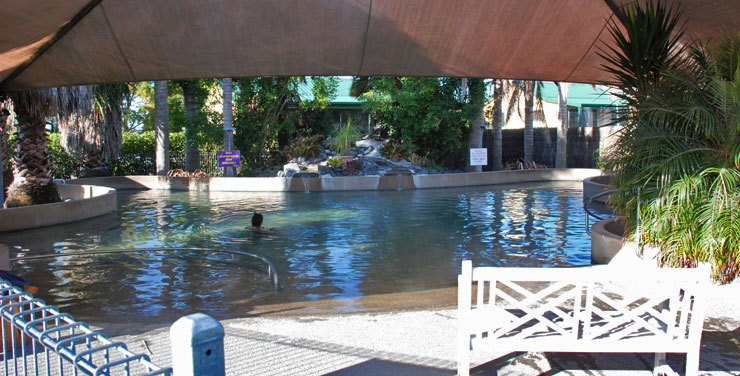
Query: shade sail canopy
column 46, row 43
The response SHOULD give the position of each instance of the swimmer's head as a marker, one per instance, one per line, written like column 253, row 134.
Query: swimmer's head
column 257, row 220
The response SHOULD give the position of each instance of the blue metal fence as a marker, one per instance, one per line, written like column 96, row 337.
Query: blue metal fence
column 38, row 339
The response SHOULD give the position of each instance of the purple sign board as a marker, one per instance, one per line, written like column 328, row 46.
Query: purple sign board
column 228, row 158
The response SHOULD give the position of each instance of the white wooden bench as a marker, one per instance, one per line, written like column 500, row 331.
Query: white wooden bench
column 590, row 309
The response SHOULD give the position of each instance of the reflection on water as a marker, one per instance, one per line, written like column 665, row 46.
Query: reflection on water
column 329, row 244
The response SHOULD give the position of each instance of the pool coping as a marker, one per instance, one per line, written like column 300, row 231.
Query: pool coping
column 80, row 202
column 338, row 183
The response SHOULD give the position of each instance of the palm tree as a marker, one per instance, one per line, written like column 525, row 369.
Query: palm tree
column 162, row 126
column 476, row 135
column 676, row 162
column 528, row 121
column 495, row 113
column 562, row 145
column 475, row 138
column 532, row 93
column 6, row 167
column 192, row 154
column 32, row 183
column 97, row 135
column 228, row 121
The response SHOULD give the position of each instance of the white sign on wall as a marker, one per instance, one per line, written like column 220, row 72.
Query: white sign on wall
column 478, row 156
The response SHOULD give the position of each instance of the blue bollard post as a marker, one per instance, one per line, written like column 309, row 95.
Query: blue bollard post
column 197, row 346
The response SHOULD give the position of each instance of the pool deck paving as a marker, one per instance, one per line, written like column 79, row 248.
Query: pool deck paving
column 421, row 342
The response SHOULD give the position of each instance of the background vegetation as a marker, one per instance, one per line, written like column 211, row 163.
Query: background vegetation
column 429, row 116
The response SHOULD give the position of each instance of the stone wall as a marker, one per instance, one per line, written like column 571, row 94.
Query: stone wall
column 584, row 145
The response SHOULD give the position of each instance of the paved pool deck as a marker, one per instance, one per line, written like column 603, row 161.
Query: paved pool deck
column 421, row 342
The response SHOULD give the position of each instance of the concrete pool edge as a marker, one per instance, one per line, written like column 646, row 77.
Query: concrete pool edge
column 594, row 185
column 339, row 183
column 84, row 202
column 607, row 239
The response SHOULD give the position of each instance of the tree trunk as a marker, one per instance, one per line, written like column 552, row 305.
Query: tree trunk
column 476, row 137
column 162, row 127
column 562, row 156
column 32, row 181
column 529, row 122
column 4, row 154
column 228, row 122
column 498, row 125
column 192, row 154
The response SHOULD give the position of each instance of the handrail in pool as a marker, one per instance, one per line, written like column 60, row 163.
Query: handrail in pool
column 589, row 212
column 271, row 270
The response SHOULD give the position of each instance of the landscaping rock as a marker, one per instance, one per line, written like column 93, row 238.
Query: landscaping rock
column 324, row 169
column 373, row 146
column 405, row 164
column 291, row 169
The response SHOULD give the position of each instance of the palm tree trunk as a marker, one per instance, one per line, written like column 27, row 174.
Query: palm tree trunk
column 4, row 154
column 32, row 181
column 228, row 122
column 562, row 156
column 192, row 154
column 529, row 122
column 476, row 137
column 162, row 126
column 498, row 124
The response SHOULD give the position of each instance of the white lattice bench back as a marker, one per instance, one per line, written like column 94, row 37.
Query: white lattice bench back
column 581, row 309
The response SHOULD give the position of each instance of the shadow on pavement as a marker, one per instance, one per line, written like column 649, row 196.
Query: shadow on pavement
column 387, row 367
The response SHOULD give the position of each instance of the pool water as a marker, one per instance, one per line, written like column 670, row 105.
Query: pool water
column 327, row 245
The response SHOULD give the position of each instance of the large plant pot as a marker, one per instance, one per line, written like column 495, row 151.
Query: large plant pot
column 594, row 185
column 607, row 238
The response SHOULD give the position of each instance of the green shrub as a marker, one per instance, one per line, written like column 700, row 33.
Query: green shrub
column 64, row 165
column 144, row 143
column 396, row 149
column 304, row 147
column 335, row 162
column 426, row 112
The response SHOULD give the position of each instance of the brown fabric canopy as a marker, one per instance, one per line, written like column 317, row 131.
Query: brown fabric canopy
column 46, row 43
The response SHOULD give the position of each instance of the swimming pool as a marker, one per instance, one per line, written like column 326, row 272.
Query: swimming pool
column 328, row 245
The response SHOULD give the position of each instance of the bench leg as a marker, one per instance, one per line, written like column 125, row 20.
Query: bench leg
column 692, row 363
column 659, row 361
column 463, row 356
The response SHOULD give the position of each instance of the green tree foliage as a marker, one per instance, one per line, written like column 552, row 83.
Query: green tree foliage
column 678, row 156
column 324, row 89
column 260, row 114
column 205, row 125
column 432, row 115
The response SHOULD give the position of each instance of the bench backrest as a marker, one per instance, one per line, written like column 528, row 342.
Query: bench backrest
column 597, row 304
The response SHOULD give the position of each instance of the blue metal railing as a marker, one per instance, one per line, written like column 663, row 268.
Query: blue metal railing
column 36, row 335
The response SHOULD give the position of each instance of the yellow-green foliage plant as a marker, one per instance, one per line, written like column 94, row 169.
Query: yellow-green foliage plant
column 345, row 138
column 335, row 162
column 677, row 157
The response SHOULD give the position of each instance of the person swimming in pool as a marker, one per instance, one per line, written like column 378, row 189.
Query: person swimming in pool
column 257, row 219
